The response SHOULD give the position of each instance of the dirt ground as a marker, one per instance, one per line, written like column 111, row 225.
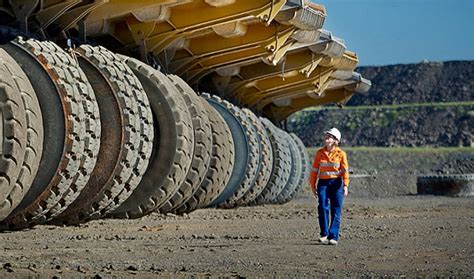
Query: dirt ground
column 404, row 235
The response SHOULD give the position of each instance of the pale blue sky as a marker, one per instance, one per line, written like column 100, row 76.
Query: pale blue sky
column 384, row 32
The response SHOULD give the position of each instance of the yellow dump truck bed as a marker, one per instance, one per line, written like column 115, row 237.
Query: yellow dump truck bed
column 273, row 57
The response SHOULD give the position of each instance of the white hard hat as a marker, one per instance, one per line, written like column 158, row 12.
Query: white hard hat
column 334, row 132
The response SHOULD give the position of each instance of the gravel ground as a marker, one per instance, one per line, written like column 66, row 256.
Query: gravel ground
column 403, row 235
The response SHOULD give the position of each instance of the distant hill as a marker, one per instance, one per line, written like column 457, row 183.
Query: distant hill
column 425, row 104
column 428, row 125
column 426, row 82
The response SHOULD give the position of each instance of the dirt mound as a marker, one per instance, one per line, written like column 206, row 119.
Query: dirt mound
column 451, row 81
column 407, row 107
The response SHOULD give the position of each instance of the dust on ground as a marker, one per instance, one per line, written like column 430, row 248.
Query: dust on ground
column 403, row 235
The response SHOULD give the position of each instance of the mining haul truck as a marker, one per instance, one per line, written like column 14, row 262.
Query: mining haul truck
column 117, row 108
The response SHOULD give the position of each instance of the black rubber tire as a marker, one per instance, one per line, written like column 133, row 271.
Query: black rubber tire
column 34, row 135
column 126, row 139
column 91, row 136
column 220, row 168
column 455, row 185
column 295, row 172
column 264, row 169
column 306, row 168
column 202, row 146
column 54, row 126
column 172, row 157
column 245, row 166
column 281, row 165
column 142, row 131
column 81, row 141
column 13, row 137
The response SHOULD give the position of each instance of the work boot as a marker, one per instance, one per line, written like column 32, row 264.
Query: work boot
column 323, row 240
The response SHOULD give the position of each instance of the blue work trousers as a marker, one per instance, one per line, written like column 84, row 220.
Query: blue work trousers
column 330, row 198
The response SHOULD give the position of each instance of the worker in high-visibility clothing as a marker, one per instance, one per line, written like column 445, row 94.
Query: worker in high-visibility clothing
column 329, row 181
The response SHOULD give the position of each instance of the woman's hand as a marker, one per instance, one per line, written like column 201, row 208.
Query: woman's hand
column 346, row 190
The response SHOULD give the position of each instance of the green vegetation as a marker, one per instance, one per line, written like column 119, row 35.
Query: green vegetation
column 413, row 105
column 299, row 114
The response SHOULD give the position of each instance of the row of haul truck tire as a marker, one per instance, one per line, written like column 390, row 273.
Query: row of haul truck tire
column 87, row 134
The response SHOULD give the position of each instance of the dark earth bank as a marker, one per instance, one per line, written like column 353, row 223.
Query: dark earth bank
column 425, row 82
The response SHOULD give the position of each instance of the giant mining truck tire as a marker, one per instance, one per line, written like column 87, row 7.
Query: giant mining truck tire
column 172, row 154
column 13, row 137
column 146, row 133
column 33, row 136
column 202, row 146
column 244, row 170
column 220, row 168
column 455, row 185
column 295, row 171
column 306, row 168
column 265, row 163
column 71, row 125
column 281, row 165
column 126, row 138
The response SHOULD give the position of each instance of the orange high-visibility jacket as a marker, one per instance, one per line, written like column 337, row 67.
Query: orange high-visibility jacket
column 329, row 165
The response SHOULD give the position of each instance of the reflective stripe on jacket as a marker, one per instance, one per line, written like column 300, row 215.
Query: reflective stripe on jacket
column 329, row 165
